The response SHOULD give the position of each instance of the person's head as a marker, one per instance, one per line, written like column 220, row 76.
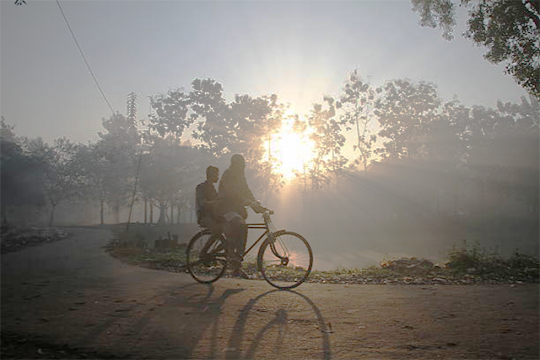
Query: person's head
column 212, row 174
column 238, row 163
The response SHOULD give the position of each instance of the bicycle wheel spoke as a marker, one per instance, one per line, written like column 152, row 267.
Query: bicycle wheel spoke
column 206, row 257
column 286, row 261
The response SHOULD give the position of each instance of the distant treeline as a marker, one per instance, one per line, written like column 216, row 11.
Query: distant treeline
column 452, row 160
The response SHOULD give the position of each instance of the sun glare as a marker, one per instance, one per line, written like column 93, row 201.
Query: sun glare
column 292, row 152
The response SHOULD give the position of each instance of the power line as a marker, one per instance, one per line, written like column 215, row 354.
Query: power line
column 84, row 57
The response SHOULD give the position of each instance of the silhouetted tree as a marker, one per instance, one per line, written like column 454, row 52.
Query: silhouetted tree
column 170, row 113
column 502, row 153
column 214, row 124
column 405, row 111
column 510, row 29
column 358, row 99
column 20, row 174
column 241, row 126
column 118, row 150
column 61, row 176
column 169, row 171
column 329, row 141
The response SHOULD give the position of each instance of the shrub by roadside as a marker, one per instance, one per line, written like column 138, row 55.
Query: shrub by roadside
column 15, row 238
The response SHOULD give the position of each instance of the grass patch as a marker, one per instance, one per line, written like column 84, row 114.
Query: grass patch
column 472, row 259
column 172, row 259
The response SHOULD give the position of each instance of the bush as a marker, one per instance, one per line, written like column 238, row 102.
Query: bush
column 475, row 260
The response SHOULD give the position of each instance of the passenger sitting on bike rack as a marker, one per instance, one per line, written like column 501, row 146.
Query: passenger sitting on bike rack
column 234, row 195
column 206, row 199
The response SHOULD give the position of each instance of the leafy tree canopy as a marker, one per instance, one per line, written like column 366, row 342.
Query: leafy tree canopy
column 509, row 29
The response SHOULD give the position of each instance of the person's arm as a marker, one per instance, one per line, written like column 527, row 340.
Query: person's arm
column 249, row 199
column 210, row 198
column 245, row 191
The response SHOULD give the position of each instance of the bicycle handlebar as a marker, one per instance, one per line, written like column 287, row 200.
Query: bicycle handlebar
column 271, row 212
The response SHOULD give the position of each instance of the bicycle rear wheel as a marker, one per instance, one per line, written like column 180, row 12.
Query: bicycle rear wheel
column 206, row 256
column 285, row 260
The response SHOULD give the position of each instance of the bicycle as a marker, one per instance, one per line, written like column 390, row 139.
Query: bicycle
column 284, row 259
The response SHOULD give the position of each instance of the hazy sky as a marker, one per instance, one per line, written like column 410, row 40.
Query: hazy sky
column 300, row 50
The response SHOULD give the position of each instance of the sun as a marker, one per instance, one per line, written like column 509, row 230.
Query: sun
column 292, row 152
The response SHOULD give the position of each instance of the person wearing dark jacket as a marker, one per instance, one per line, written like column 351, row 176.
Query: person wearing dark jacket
column 206, row 201
column 233, row 196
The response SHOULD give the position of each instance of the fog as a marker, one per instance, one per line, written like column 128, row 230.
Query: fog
column 391, row 171
column 358, row 222
column 357, row 218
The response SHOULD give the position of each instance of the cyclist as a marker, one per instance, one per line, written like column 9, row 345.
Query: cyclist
column 206, row 201
column 234, row 195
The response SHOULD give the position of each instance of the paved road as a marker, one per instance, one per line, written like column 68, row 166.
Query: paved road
column 71, row 292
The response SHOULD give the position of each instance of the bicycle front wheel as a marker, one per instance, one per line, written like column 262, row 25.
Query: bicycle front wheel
column 206, row 256
column 285, row 259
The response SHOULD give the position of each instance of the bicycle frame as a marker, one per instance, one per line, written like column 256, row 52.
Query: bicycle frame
column 257, row 226
column 267, row 225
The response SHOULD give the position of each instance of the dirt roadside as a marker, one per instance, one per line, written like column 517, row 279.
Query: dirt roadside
column 70, row 299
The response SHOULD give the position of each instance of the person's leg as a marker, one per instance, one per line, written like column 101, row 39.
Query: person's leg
column 234, row 232
column 207, row 223
column 242, row 238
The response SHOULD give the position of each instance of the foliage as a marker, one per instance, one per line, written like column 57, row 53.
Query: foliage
column 475, row 260
column 214, row 128
column 466, row 266
column 405, row 113
column 20, row 173
column 510, row 30
column 61, row 176
column 357, row 103
column 329, row 141
column 419, row 150
column 170, row 113
column 170, row 173
column 115, row 160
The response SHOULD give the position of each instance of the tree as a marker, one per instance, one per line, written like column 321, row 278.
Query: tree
column 170, row 113
column 502, row 154
column 424, row 140
column 329, row 140
column 510, row 29
column 253, row 121
column 241, row 126
column 62, row 179
column 169, row 172
column 404, row 112
column 117, row 156
column 20, row 174
column 214, row 124
column 358, row 101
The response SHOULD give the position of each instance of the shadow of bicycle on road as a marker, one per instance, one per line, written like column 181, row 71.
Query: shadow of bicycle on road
column 280, row 324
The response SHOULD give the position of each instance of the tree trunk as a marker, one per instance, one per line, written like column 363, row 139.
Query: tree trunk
column 482, row 198
column 4, row 214
column 116, row 212
column 51, row 215
column 178, row 214
column 162, row 213
column 151, row 212
column 101, row 210
column 145, row 210
column 171, row 220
